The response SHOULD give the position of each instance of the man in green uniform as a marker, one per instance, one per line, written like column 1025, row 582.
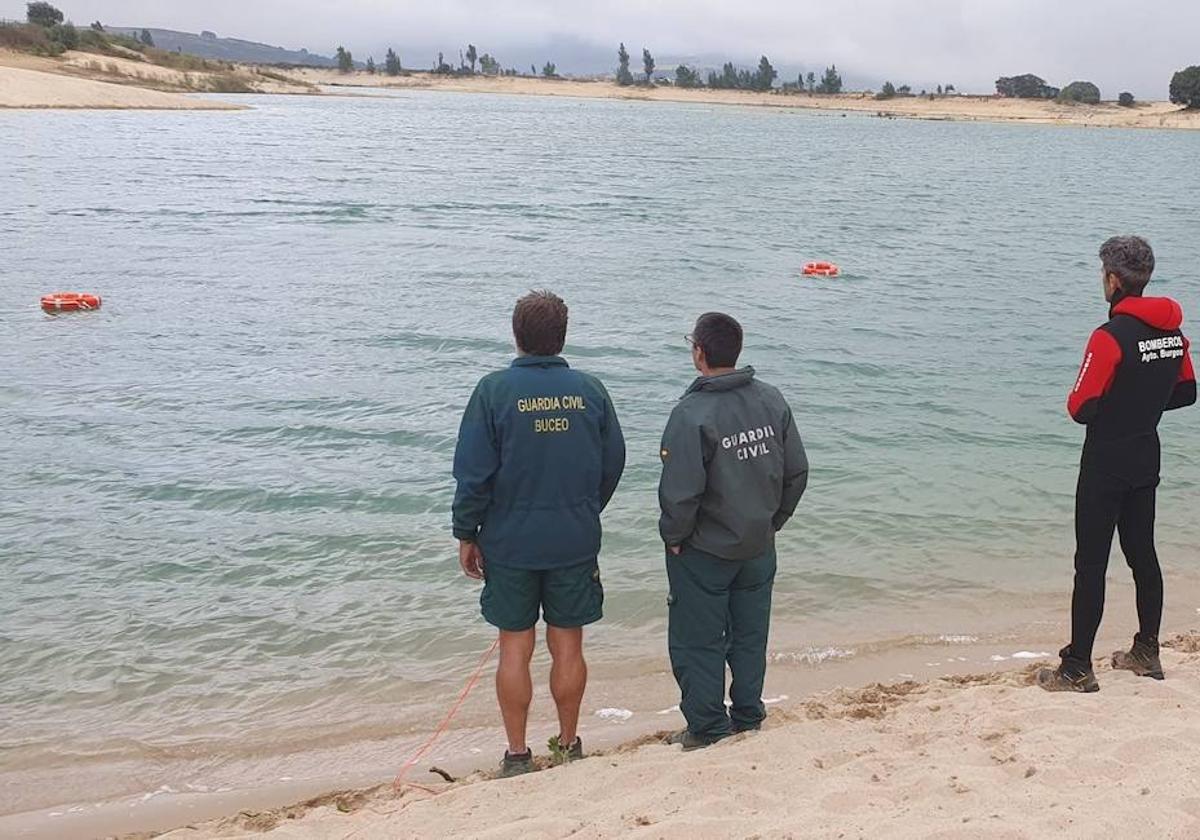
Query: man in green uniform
column 734, row 470
column 539, row 455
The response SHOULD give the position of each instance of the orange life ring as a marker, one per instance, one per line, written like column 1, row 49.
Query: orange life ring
column 70, row 302
column 821, row 269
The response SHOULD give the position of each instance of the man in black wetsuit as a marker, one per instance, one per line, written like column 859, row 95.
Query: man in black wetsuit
column 1135, row 367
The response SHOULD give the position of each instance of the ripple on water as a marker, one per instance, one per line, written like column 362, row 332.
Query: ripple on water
column 224, row 502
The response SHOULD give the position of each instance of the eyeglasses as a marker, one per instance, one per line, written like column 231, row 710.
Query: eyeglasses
column 691, row 340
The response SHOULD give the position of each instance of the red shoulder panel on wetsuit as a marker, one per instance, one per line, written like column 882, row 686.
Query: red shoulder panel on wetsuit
column 1100, row 361
column 1187, row 373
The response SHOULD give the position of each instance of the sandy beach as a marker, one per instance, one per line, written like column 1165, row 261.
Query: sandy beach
column 88, row 80
column 948, row 108
column 975, row 756
column 20, row 88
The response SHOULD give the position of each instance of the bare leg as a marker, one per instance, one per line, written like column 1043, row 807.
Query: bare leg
column 568, row 677
column 514, row 686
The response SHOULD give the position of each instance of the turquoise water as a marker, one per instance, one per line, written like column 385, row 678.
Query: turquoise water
column 224, row 501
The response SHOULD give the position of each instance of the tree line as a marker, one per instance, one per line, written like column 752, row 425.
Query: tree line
column 730, row 77
column 890, row 91
column 1184, row 89
column 470, row 63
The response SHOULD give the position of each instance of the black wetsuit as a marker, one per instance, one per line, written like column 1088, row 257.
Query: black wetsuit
column 1136, row 367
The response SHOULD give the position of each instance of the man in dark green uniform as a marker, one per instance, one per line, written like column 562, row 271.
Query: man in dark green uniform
column 539, row 455
column 734, row 470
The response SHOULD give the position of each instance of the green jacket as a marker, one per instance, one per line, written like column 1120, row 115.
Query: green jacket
column 539, row 455
column 734, row 467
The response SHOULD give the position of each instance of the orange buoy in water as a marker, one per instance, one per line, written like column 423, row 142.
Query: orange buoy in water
column 821, row 269
column 70, row 302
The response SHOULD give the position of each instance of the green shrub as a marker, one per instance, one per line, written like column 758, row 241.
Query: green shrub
column 227, row 84
column 65, row 34
column 185, row 61
column 1185, row 87
column 128, row 42
column 43, row 14
column 1084, row 92
column 92, row 39
column 888, row 92
column 1125, row 100
column 1027, row 86
column 28, row 38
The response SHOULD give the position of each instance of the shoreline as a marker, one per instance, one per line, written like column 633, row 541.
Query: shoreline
column 972, row 754
column 193, row 782
column 88, row 81
column 945, row 108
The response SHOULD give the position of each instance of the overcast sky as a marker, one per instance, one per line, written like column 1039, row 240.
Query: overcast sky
column 1119, row 44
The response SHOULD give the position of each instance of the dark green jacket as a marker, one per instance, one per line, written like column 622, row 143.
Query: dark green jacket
column 539, row 455
column 734, row 467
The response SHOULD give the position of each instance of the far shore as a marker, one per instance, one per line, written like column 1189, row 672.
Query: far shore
column 86, row 80
column 953, row 107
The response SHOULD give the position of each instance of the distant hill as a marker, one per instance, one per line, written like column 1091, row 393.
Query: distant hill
column 208, row 45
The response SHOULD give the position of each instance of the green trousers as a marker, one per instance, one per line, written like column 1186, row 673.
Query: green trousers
column 720, row 613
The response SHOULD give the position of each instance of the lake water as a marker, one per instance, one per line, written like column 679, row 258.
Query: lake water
column 224, row 498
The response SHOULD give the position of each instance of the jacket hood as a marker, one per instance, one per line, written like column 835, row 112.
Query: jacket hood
column 724, row 382
column 1158, row 312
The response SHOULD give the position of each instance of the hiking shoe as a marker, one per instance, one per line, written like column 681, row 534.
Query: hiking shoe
column 1055, row 679
column 738, row 730
column 691, row 741
column 516, row 765
column 559, row 756
column 1142, row 660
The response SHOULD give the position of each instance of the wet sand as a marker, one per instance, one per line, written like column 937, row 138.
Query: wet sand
column 988, row 755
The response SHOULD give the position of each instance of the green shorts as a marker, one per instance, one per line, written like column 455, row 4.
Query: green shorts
column 568, row 597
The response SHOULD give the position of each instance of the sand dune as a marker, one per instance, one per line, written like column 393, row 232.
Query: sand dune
column 970, row 757
column 22, row 88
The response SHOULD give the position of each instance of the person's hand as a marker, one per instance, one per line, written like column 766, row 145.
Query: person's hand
column 675, row 549
column 471, row 559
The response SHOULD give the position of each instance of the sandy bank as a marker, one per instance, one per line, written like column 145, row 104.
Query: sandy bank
column 954, row 108
column 962, row 757
column 89, row 80
column 21, row 88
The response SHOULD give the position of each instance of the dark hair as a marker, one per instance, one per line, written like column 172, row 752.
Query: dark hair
column 720, row 337
column 540, row 324
column 1130, row 258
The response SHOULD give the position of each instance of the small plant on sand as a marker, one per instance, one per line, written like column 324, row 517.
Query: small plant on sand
column 559, row 754
column 1125, row 100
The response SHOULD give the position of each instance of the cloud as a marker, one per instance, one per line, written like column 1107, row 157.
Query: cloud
column 1118, row 45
